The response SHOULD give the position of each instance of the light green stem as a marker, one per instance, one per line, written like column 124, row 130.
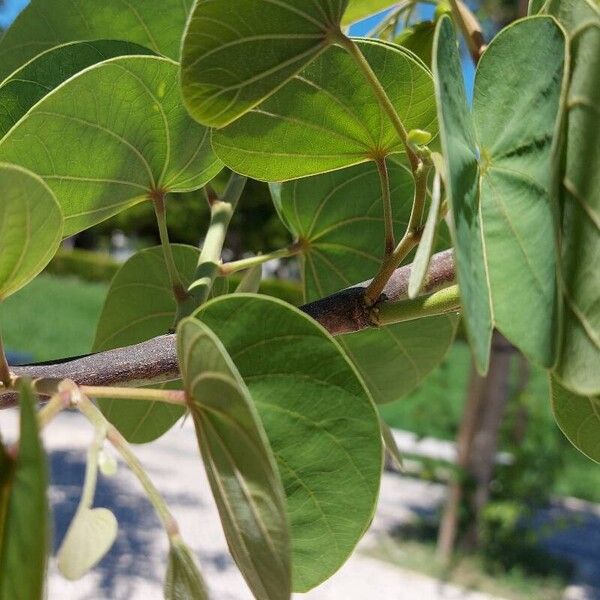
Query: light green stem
column 58, row 402
column 5, row 376
column 388, row 217
column 261, row 259
column 443, row 302
column 91, row 469
column 149, row 395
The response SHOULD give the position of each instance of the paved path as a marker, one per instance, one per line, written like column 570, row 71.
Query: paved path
column 134, row 568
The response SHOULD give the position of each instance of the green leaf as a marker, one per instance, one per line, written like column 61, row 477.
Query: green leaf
column 250, row 282
column 498, row 163
column 321, row 423
column 360, row 9
column 394, row 360
column 140, row 305
column 183, row 580
column 29, row 84
column 25, row 534
column 90, row 536
column 30, row 227
column 579, row 198
column 155, row 24
column 390, row 444
column 418, row 38
column 110, row 137
column 239, row 462
column 579, row 419
column 237, row 53
column 328, row 117
column 535, row 6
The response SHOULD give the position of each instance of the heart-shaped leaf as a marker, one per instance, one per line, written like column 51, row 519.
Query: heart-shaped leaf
column 321, row 424
column 183, row 580
column 579, row 198
column 29, row 84
column 25, row 530
column 579, row 419
column 239, row 462
column 328, row 117
column 155, row 24
column 110, row 137
column 140, row 305
column 90, row 536
column 498, row 163
column 30, row 227
column 236, row 53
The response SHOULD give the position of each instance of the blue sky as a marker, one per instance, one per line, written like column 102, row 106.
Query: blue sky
column 12, row 8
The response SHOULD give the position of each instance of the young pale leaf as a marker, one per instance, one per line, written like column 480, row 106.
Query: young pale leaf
column 579, row 198
column 390, row 444
column 25, row 532
column 110, row 137
column 155, row 24
column 31, row 226
column 321, row 423
column 328, row 117
column 30, row 83
column 359, row 9
column 90, row 536
column 239, row 462
column 139, row 306
column 498, row 164
column 236, row 53
column 250, row 282
column 396, row 359
column 183, row 580
column 579, row 419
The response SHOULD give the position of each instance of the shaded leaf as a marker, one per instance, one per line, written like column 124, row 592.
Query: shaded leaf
column 155, row 24
column 237, row 53
column 498, row 163
column 418, row 38
column 328, row 117
column 239, row 463
column 30, row 227
column 321, row 424
column 140, row 305
column 250, row 282
column 579, row 198
column 25, row 535
column 579, row 419
column 183, row 580
column 30, row 83
column 111, row 136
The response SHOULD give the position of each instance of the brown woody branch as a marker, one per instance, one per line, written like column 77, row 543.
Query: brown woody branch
column 155, row 361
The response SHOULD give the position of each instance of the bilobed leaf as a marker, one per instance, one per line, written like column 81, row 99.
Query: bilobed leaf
column 25, row 536
column 31, row 226
column 396, row 359
column 499, row 178
column 236, row 53
column 579, row 419
column 327, row 117
column 250, row 282
column 30, row 83
column 140, row 305
column 579, row 196
column 183, row 580
column 239, row 462
column 109, row 137
column 321, row 424
column 360, row 9
column 90, row 536
column 155, row 24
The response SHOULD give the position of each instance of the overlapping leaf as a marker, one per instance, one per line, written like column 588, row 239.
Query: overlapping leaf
column 327, row 117
column 579, row 419
column 239, row 462
column 183, row 580
column 579, row 196
column 499, row 176
column 155, row 24
column 139, row 306
column 321, row 424
column 30, row 83
column 359, row 9
column 236, row 53
column 109, row 137
column 25, row 530
column 31, row 226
